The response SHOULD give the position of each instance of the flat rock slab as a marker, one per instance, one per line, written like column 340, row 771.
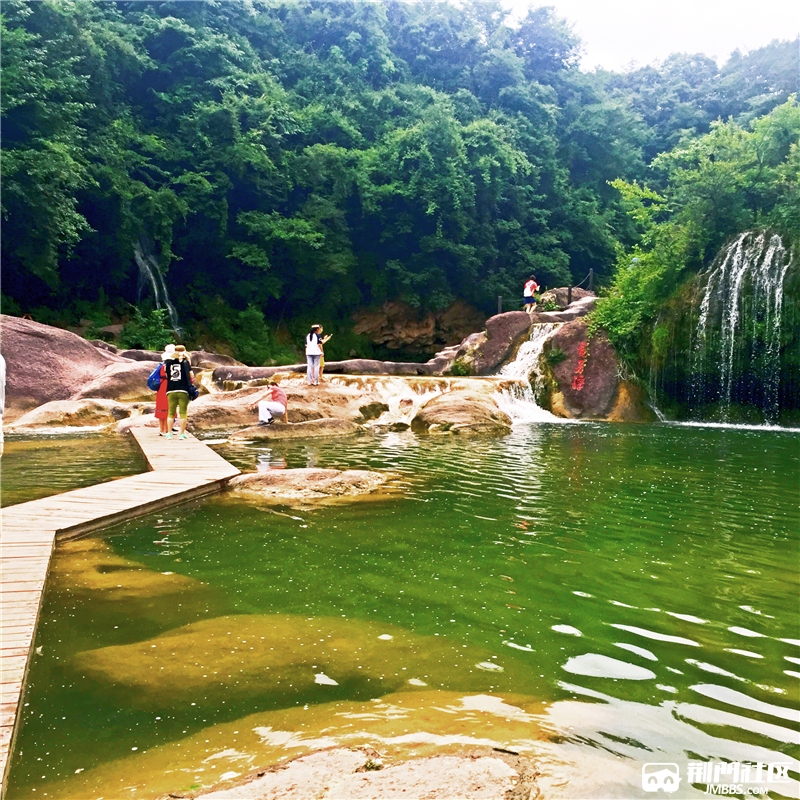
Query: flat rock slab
column 310, row 428
column 284, row 485
column 76, row 413
column 352, row 773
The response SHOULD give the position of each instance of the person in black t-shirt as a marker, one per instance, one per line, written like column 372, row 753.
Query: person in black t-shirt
column 179, row 381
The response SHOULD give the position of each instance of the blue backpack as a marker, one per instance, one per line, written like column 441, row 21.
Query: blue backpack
column 154, row 379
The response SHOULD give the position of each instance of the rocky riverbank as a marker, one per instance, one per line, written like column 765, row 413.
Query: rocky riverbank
column 78, row 383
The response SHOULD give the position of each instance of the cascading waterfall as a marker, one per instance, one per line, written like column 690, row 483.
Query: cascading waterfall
column 519, row 401
column 150, row 272
column 736, row 352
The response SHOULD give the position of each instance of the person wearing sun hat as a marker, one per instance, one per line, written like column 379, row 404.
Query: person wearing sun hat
column 179, row 381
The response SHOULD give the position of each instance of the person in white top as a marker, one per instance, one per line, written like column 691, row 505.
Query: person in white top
column 314, row 342
column 528, row 298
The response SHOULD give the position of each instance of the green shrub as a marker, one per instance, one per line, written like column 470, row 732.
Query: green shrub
column 246, row 334
column 459, row 367
column 554, row 356
column 147, row 330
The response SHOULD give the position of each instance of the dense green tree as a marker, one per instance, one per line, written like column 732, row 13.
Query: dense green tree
column 280, row 157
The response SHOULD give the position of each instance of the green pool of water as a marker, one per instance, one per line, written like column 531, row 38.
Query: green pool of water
column 40, row 466
column 633, row 589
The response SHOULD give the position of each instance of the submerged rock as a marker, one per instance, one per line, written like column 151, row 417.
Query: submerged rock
column 279, row 656
column 288, row 485
column 91, row 566
column 462, row 412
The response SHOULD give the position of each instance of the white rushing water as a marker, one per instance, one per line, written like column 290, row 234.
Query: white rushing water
column 519, row 401
column 741, row 305
column 151, row 273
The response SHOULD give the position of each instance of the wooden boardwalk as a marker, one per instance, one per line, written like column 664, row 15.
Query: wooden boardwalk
column 181, row 470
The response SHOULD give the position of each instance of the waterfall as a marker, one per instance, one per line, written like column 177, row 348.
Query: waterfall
column 519, row 402
column 150, row 272
column 736, row 353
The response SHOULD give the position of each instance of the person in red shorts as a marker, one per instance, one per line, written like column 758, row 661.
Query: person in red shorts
column 162, row 404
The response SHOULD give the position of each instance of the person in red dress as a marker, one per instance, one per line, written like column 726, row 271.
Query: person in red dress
column 162, row 405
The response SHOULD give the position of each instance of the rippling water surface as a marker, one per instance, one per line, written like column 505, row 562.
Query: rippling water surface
column 626, row 594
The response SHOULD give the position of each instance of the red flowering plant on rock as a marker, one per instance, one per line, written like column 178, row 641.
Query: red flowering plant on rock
column 577, row 378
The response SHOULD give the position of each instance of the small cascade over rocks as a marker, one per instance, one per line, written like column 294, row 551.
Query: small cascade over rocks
column 736, row 349
column 519, row 401
column 150, row 272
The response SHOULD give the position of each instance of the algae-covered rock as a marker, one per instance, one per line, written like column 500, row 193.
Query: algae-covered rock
column 91, row 566
column 292, row 658
column 462, row 412
column 291, row 485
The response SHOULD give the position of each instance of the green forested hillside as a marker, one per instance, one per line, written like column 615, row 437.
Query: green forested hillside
column 295, row 158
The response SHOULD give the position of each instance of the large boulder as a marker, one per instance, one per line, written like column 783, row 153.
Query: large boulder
column 292, row 485
column 75, row 413
column 462, row 412
column 504, row 332
column 125, row 381
column 587, row 381
column 44, row 363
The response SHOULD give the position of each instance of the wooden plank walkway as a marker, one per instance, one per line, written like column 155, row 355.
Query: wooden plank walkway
column 182, row 469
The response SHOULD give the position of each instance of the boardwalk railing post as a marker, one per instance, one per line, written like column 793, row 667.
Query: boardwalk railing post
column 499, row 304
column 591, row 280
column 569, row 294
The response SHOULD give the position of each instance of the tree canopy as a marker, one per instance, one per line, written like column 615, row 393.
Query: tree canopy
column 278, row 157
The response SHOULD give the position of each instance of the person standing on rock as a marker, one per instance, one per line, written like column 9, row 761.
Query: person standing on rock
column 179, row 382
column 272, row 404
column 314, row 343
column 528, row 294
column 323, row 341
column 162, row 404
